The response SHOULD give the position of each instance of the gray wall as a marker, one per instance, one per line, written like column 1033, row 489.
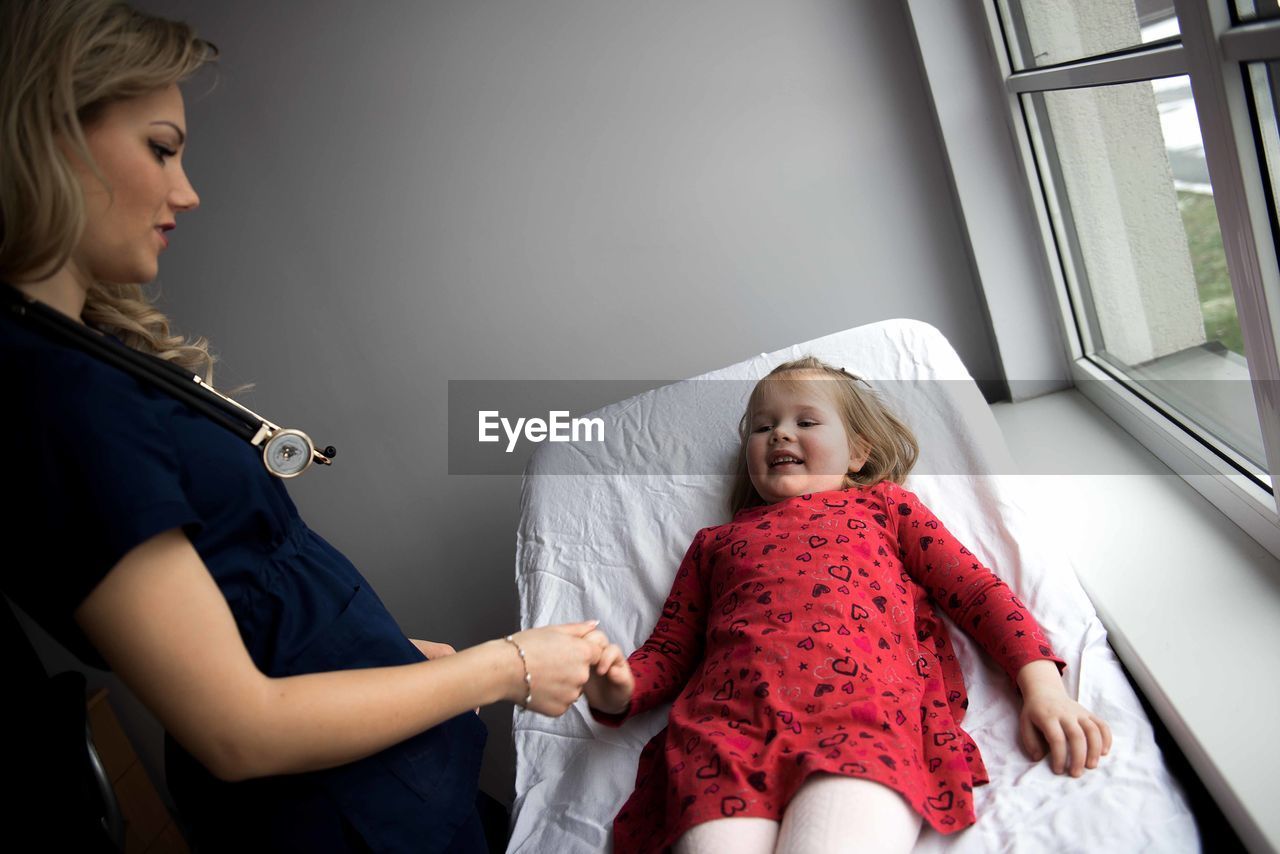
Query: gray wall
column 396, row 194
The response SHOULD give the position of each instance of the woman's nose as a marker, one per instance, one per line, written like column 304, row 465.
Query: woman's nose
column 183, row 197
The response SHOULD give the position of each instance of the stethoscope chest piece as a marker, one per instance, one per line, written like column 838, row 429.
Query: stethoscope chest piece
column 288, row 453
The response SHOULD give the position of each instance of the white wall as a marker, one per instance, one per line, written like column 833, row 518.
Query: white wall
column 397, row 194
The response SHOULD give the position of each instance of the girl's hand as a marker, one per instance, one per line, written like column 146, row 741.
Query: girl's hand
column 1052, row 722
column 559, row 658
column 431, row 649
column 611, row 684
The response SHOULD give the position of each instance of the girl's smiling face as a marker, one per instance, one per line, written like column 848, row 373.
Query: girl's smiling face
column 798, row 443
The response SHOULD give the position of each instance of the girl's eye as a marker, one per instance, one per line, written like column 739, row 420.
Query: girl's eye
column 762, row 428
column 161, row 152
column 807, row 422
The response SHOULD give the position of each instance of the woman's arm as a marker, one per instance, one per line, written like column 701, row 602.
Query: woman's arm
column 163, row 625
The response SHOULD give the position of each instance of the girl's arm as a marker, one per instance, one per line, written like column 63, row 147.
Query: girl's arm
column 984, row 606
column 970, row 593
column 659, row 669
column 163, row 625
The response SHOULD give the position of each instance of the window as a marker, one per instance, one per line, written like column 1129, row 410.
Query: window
column 1151, row 135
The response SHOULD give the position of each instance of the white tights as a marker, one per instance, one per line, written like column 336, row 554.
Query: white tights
column 830, row 813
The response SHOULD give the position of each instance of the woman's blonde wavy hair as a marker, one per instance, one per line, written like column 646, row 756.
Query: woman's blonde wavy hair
column 61, row 63
column 891, row 446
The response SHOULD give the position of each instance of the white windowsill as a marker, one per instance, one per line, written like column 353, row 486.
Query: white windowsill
column 1191, row 602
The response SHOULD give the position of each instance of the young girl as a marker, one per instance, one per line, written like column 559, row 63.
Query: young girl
column 818, row 700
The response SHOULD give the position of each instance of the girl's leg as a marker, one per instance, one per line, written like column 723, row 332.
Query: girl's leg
column 739, row 835
column 833, row 814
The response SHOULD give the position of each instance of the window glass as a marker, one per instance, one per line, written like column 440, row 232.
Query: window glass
column 1049, row 32
column 1134, row 212
column 1264, row 80
column 1250, row 10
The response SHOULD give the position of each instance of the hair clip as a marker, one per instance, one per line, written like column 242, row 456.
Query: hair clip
column 851, row 375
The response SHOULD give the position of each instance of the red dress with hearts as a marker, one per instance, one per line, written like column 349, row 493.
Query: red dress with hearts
column 801, row 637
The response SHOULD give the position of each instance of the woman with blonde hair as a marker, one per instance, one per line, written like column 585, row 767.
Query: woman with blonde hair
column 147, row 537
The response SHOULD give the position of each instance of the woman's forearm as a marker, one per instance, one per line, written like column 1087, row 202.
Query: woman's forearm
column 164, row 627
column 161, row 623
column 319, row 720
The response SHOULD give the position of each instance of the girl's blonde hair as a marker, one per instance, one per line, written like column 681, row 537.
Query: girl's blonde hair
column 61, row 63
column 891, row 446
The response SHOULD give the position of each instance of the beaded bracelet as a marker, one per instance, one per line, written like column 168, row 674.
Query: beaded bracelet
column 528, row 677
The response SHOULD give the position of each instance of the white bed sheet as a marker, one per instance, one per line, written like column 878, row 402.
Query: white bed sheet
column 607, row 546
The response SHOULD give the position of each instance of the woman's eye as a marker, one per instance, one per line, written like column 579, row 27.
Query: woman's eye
column 161, row 152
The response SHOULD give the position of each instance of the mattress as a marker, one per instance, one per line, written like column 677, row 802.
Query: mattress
column 603, row 526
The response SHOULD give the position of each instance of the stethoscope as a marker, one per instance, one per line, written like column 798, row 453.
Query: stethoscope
column 285, row 452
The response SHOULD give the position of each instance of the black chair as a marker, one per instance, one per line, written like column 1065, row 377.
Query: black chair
column 59, row 793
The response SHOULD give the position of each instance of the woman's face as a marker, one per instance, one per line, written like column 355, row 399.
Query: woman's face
column 138, row 146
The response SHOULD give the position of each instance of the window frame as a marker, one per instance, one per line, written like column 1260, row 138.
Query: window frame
column 1213, row 52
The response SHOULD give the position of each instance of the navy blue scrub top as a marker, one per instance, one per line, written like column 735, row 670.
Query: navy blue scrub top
column 97, row 463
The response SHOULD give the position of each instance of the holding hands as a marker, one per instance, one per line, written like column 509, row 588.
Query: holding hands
column 611, row 684
column 558, row 661
column 1054, row 724
column 572, row 659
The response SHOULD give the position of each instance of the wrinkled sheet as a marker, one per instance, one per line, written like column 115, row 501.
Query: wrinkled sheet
column 607, row 546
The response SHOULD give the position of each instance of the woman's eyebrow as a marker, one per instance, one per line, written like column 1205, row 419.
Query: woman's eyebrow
column 182, row 137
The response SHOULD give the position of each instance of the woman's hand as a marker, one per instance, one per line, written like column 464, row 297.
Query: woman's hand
column 611, row 684
column 1052, row 720
column 431, row 649
column 559, row 658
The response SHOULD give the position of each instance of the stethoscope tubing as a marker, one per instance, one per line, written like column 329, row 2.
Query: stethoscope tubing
column 153, row 370
column 166, row 376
